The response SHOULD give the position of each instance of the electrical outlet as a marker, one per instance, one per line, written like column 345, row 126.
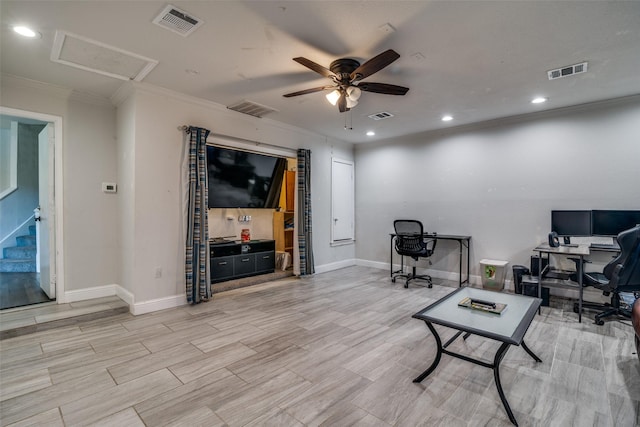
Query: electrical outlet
column 158, row 273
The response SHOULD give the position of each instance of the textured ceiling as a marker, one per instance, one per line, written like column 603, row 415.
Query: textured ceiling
column 476, row 60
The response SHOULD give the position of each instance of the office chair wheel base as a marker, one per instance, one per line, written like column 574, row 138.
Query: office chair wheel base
column 393, row 280
column 575, row 307
column 599, row 322
column 406, row 285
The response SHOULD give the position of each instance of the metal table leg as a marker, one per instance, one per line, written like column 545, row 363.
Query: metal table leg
column 531, row 353
column 495, row 366
column 496, row 375
column 433, row 366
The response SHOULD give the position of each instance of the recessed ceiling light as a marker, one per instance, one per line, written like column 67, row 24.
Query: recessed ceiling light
column 538, row 100
column 25, row 31
column 371, row 133
column 447, row 118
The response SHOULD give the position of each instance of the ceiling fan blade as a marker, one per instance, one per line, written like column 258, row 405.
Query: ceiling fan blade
column 342, row 103
column 315, row 67
column 306, row 91
column 384, row 88
column 374, row 65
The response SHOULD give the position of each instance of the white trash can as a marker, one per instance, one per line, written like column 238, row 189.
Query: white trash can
column 493, row 273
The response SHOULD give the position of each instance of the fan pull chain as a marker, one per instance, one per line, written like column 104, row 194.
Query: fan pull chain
column 350, row 121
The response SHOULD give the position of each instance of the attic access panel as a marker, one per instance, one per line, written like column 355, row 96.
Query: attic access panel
column 90, row 55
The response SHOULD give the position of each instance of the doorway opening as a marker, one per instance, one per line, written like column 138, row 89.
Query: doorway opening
column 28, row 220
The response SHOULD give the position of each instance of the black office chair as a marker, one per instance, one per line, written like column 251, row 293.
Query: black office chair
column 623, row 273
column 410, row 242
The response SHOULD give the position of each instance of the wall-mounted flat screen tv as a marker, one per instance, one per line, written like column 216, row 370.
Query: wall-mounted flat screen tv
column 241, row 179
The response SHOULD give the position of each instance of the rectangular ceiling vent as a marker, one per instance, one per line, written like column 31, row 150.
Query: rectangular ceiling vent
column 381, row 116
column 569, row 70
column 91, row 55
column 177, row 21
column 251, row 108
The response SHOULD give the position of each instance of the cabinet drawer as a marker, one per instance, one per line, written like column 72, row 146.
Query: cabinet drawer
column 221, row 267
column 244, row 264
column 265, row 261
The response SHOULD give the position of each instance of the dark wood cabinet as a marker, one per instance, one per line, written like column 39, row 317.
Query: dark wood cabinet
column 233, row 260
column 221, row 268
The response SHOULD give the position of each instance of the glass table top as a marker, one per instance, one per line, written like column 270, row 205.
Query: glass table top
column 508, row 326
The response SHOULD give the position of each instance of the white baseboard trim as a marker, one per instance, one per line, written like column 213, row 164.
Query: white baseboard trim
column 135, row 308
column 335, row 265
column 474, row 280
column 158, row 304
column 125, row 296
column 90, row 293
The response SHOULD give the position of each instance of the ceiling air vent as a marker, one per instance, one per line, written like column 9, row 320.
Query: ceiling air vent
column 567, row 71
column 91, row 55
column 251, row 108
column 177, row 21
column 380, row 116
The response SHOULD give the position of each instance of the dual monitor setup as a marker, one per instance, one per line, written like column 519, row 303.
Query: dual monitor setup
column 587, row 223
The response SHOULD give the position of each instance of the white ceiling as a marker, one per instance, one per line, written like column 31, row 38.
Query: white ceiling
column 478, row 60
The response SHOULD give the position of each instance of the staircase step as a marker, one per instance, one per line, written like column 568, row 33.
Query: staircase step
column 32, row 230
column 26, row 240
column 19, row 252
column 17, row 266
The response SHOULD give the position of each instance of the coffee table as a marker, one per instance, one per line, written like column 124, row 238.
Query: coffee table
column 508, row 327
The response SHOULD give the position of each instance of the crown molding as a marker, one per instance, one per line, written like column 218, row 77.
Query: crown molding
column 128, row 88
column 91, row 98
column 11, row 80
column 509, row 120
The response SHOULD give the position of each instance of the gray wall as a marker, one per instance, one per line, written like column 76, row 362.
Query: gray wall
column 498, row 182
column 150, row 150
column 91, row 240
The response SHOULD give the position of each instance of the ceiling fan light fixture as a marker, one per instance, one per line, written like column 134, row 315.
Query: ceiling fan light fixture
column 333, row 96
column 353, row 93
column 351, row 102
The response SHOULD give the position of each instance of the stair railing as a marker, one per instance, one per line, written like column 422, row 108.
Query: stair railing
column 16, row 231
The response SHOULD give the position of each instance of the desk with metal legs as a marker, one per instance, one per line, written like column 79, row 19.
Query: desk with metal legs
column 578, row 252
column 509, row 327
column 464, row 243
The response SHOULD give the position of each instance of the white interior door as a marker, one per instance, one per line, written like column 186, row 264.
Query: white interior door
column 342, row 201
column 46, row 229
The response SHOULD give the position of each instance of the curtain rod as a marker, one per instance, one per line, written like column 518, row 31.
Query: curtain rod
column 185, row 128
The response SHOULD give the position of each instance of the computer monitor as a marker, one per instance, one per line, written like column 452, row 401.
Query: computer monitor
column 612, row 222
column 571, row 223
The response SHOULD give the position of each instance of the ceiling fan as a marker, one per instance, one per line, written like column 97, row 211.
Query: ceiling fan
column 347, row 74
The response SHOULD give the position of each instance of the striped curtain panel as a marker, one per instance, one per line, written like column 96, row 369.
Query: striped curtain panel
column 198, row 275
column 305, row 241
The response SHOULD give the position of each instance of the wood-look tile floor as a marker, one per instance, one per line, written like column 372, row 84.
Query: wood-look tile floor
column 20, row 289
column 336, row 349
